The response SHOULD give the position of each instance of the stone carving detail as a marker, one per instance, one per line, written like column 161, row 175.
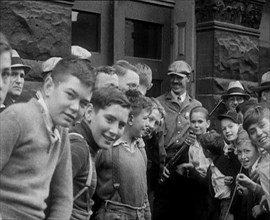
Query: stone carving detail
column 236, row 57
column 241, row 12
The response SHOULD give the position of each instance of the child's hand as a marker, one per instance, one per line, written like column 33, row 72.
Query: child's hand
column 166, row 173
column 242, row 190
column 228, row 180
column 243, row 180
column 257, row 211
column 184, row 168
column 190, row 140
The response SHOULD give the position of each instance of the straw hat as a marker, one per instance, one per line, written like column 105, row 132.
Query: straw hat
column 16, row 62
column 235, row 88
column 265, row 83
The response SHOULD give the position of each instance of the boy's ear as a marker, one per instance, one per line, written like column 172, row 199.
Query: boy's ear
column 48, row 86
column 130, row 120
column 88, row 115
column 208, row 123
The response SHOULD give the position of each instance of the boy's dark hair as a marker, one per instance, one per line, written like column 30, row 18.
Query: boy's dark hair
column 105, row 69
column 200, row 109
column 138, row 101
column 80, row 68
column 4, row 44
column 255, row 115
column 213, row 142
column 243, row 107
column 107, row 96
column 121, row 67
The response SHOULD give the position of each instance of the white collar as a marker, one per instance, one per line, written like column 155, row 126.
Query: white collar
column 182, row 97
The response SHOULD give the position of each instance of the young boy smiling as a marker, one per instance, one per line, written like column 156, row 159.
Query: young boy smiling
column 122, row 184
column 104, row 122
column 35, row 159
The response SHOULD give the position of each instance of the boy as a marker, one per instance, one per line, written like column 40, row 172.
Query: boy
column 106, row 76
column 35, row 159
column 257, row 124
column 122, row 184
column 104, row 122
column 5, row 68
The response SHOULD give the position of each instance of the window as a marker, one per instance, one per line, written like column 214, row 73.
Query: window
column 86, row 30
column 143, row 39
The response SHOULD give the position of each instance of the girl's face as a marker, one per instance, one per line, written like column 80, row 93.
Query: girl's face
column 247, row 154
column 198, row 123
column 139, row 123
column 229, row 129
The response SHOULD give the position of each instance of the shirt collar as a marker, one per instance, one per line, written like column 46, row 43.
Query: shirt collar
column 182, row 97
column 48, row 118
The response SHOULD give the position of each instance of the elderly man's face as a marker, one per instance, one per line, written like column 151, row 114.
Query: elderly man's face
column 16, row 82
column 233, row 101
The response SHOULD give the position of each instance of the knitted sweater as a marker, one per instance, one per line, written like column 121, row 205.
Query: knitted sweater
column 33, row 164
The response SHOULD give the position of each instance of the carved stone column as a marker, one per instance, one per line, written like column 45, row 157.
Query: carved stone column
column 227, row 46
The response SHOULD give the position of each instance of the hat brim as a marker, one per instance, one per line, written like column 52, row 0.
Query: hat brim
column 24, row 67
column 261, row 88
column 220, row 117
column 226, row 96
column 178, row 74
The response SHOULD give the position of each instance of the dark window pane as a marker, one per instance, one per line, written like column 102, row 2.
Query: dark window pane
column 85, row 30
column 143, row 39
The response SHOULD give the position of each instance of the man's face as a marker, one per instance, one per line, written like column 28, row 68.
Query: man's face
column 106, row 80
column 198, row 123
column 233, row 101
column 107, row 125
column 178, row 84
column 259, row 133
column 247, row 154
column 154, row 121
column 139, row 123
column 5, row 63
column 129, row 81
column 16, row 82
column 229, row 129
column 266, row 97
column 66, row 100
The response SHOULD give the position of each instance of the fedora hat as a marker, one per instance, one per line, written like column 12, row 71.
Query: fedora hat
column 180, row 68
column 16, row 62
column 265, row 83
column 235, row 88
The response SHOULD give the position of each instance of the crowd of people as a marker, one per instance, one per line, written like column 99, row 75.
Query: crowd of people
column 90, row 144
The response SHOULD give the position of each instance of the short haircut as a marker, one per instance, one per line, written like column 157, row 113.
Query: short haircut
column 4, row 44
column 145, row 74
column 121, row 67
column 212, row 142
column 156, row 105
column 255, row 115
column 80, row 68
column 107, row 96
column 200, row 109
column 138, row 102
column 105, row 69
column 243, row 107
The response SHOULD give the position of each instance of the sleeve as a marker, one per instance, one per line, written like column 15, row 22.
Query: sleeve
column 61, row 191
column 10, row 132
column 147, row 211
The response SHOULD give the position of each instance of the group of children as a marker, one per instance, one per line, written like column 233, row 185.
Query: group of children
column 74, row 149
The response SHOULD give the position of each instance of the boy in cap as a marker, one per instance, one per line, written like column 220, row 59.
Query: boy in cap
column 18, row 72
column 5, row 64
column 103, row 124
column 35, row 159
column 264, row 89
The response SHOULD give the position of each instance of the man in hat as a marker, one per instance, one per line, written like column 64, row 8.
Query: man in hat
column 234, row 95
column 171, row 196
column 264, row 90
column 18, row 72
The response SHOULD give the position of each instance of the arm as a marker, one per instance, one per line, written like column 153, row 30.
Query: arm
column 61, row 191
column 10, row 132
column 147, row 211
